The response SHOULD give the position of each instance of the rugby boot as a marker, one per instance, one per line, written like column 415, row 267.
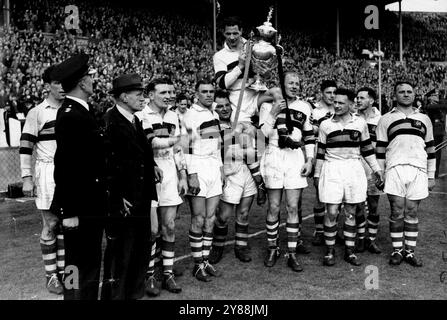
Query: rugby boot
column 199, row 273
column 216, row 254
column 242, row 253
column 170, row 284
column 360, row 246
column 271, row 258
column 293, row 263
column 54, row 285
column 396, row 257
column 301, row 248
column 329, row 258
column 151, row 286
column 372, row 247
column 351, row 258
column 318, row 239
column 211, row 270
column 411, row 259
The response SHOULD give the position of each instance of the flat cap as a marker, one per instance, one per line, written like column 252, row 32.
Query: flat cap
column 126, row 82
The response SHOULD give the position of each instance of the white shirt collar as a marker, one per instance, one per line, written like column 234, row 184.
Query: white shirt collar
column 80, row 101
column 129, row 116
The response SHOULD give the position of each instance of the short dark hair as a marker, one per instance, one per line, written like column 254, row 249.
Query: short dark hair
column 327, row 84
column 181, row 97
column 398, row 83
column 371, row 92
column 48, row 74
column 222, row 94
column 205, row 80
column 345, row 92
column 163, row 80
column 232, row 21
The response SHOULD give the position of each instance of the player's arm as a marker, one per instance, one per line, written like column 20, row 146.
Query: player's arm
column 284, row 140
column 431, row 155
column 309, row 145
column 321, row 151
column 225, row 78
column 28, row 140
column 382, row 143
column 367, row 150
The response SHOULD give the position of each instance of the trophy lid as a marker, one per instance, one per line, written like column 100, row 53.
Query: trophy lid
column 267, row 29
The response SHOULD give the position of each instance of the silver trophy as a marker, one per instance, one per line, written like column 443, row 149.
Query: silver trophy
column 264, row 58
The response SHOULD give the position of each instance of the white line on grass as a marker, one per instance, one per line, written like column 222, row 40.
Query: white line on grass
column 250, row 236
column 438, row 192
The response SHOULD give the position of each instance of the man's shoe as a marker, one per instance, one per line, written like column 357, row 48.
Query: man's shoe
column 54, row 285
column 271, row 258
column 151, row 286
column 372, row 246
column 318, row 239
column 329, row 258
column 212, row 271
column 411, row 259
column 293, row 263
column 242, row 253
column 170, row 284
column 199, row 273
column 396, row 257
column 301, row 248
column 215, row 254
column 360, row 246
column 351, row 258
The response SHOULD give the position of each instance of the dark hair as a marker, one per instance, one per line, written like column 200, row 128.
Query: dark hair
column 204, row 80
column 151, row 86
column 345, row 92
column 47, row 75
column 398, row 83
column 181, row 97
column 221, row 94
column 232, row 21
column 326, row 84
column 371, row 92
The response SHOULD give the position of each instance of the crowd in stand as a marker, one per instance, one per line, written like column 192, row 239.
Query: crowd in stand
column 151, row 43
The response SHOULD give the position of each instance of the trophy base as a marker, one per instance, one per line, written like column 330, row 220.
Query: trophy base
column 257, row 86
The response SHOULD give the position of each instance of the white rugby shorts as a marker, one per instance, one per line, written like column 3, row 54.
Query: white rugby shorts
column 249, row 105
column 371, row 189
column 342, row 181
column 44, row 180
column 406, row 181
column 281, row 168
column 168, row 193
column 238, row 185
column 209, row 177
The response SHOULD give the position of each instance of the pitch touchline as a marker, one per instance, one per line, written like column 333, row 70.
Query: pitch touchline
column 250, row 236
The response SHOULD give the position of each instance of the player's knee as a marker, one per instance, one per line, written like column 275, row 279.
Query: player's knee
column 168, row 228
column 273, row 209
column 47, row 233
column 208, row 224
column 331, row 216
column 242, row 216
column 221, row 220
column 292, row 210
column 197, row 222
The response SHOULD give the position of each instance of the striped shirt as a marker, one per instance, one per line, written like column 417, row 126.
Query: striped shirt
column 302, row 128
column 321, row 113
column 204, row 128
column 338, row 142
column 372, row 119
column 406, row 139
column 224, row 61
column 38, row 132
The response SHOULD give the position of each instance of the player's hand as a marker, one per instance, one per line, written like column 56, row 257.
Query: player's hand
column 194, row 185
column 126, row 207
column 277, row 106
column 306, row 169
column 431, row 184
column 316, row 182
column 158, row 174
column 241, row 60
column 182, row 186
column 380, row 181
column 70, row 223
column 28, row 187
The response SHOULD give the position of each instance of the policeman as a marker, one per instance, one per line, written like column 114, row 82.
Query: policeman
column 80, row 193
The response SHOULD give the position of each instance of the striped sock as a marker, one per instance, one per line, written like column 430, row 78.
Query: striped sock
column 397, row 233
column 373, row 226
column 196, row 243
column 207, row 241
column 410, row 233
column 272, row 233
column 60, row 256
column 151, row 268
column 220, row 235
column 49, row 252
column 254, row 169
column 330, row 231
column 349, row 232
column 292, row 235
column 241, row 235
column 167, row 252
column 319, row 219
column 360, row 221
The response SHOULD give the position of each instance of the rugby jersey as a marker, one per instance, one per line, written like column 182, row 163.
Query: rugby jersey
column 341, row 143
column 372, row 119
column 302, row 128
column 203, row 126
column 38, row 132
column 403, row 139
column 320, row 113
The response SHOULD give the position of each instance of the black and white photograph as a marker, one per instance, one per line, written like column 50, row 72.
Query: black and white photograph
column 223, row 156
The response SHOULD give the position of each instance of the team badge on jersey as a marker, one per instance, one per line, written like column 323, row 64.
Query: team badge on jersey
column 354, row 135
column 417, row 124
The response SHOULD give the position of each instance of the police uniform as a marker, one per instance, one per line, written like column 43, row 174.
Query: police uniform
column 79, row 174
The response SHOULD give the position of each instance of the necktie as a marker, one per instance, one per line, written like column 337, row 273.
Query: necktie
column 134, row 122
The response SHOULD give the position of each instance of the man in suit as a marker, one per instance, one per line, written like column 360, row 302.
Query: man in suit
column 132, row 173
column 80, row 192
